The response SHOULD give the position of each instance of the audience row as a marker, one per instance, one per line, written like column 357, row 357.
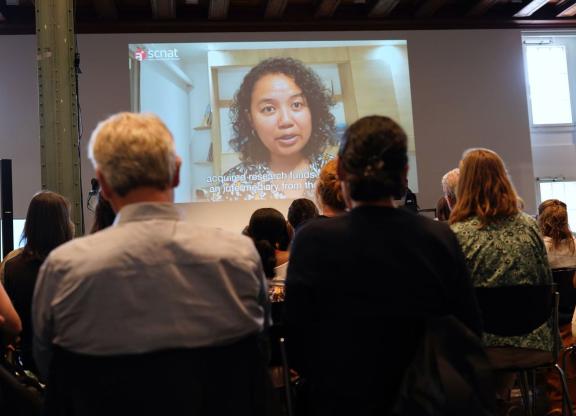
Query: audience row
column 155, row 297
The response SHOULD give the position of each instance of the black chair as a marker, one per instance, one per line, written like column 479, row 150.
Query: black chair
column 518, row 310
column 208, row 381
column 564, row 280
column 278, row 352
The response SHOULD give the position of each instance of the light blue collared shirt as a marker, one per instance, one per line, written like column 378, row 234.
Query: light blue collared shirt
column 152, row 281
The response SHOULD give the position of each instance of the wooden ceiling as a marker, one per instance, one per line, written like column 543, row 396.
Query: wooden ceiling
column 121, row 16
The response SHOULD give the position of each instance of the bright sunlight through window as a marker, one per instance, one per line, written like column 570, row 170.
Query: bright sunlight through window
column 548, row 84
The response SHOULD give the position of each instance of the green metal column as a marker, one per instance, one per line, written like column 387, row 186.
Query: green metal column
column 58, row 103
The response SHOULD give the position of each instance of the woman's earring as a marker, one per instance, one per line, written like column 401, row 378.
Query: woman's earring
column 253, row 133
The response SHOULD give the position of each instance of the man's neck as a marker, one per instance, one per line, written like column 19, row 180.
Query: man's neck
column 142, row 194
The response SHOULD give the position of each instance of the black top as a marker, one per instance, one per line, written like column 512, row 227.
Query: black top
column 358, row 291
column 20, row 275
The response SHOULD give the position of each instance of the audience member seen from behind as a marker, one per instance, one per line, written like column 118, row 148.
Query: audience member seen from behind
column 558, row 238
column 104, row 215
column 502, row 245
column 270, row 232
column 281, row 122
column 442, row 210
column 553, row 222
column 346, row 274
column 300, row 212
column 449, row 186
column 329, row 191
column 47, row 226
column 154, row 312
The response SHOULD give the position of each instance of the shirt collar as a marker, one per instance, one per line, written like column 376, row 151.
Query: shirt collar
column 142, row 211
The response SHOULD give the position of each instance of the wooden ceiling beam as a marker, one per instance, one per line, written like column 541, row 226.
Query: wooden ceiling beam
column 162, row 9
column 430, row 7
column 481, row 8
column 326, row 9
column 275, row 9
column 218, row 9
column 383, row 8
column 106, row 9
column 566, row 8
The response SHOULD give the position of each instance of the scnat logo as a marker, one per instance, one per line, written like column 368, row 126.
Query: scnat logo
column 148, row 54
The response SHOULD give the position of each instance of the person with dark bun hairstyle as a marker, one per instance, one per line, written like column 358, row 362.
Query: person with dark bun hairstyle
column 329, row 192
column 271, row 235
column 282, row 126
column 360, row 285
column 301, row 211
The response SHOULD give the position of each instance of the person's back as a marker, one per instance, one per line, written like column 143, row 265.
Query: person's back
column 47, row 226
column 148, row 281
column 361, row 286
column 148, row 309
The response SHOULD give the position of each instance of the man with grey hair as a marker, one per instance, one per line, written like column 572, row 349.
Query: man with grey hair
column 449, row 185
column 151, row 287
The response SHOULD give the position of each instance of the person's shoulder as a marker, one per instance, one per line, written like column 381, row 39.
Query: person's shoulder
column 427, row 225
column 216, row 242
column 85, row 249
column 13, row 255
column 524, row 218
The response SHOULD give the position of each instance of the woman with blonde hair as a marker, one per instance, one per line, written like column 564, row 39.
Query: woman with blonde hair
column 329, row 192
column 501, row 244
column 553, row 222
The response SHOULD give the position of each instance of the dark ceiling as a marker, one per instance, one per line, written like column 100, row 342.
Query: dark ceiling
column 118, row 16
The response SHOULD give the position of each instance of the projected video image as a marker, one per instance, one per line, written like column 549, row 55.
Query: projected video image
column 255, row 121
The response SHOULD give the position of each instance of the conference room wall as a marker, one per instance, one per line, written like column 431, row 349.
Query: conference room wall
column 468, row 90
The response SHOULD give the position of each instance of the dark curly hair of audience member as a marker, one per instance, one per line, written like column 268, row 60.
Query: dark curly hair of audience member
column 300, row 211
column 328, row 189
column 244, row 139
column 104, row 215
column 373, row 156
column 47, row 225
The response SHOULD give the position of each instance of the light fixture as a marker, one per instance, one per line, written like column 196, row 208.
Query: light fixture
column 531, row 8
column 569, row 12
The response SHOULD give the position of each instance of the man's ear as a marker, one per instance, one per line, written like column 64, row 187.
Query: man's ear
column 176, row 177
column 107, row 191
column 104, row 187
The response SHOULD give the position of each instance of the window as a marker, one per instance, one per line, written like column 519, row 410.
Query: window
column 548, row 84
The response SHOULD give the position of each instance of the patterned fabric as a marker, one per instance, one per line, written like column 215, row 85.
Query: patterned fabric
column 245, row 182
column 507, row 253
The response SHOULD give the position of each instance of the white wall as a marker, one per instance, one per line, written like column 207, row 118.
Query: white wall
column 467, row 91
column 172, row 107
column 19, row 126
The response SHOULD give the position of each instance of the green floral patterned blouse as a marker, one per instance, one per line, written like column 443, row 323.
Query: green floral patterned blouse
column 507, row 253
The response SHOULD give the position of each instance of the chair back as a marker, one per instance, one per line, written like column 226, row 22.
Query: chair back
column 228, row 379
column 515, row 310
column 564, row 280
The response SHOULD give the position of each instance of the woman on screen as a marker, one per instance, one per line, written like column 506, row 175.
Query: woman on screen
column 282, row 126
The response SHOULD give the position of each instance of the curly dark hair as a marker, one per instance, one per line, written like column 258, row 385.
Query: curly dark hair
column 318, row 98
